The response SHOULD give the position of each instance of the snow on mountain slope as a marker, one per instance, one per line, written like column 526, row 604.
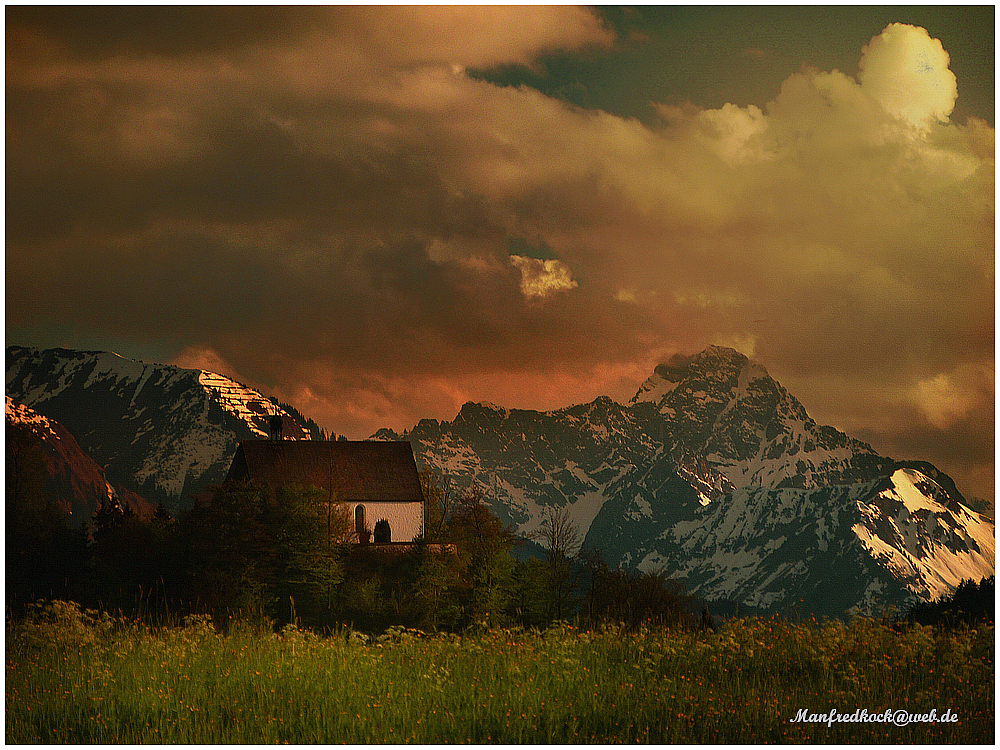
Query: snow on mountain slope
column 716, row 474
column 720, row 408
column 713, row 472
column 768, row 549
column 20, row 414
column 927, row 539
column 245, row 404
column 163, row 431
column 863, row 547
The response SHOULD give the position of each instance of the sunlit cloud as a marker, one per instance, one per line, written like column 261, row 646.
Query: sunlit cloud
column 906, row 71
column 195, row 357
column 326, row 204
column 951, row 396
column 541, row 279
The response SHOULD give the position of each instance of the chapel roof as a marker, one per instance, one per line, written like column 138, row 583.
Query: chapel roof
column 356, row 470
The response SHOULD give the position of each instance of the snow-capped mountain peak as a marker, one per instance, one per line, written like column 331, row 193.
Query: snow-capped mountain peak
column 926, row 538
column 717, row 368
column 713, row 473
column 160, row 430
column 722, row 407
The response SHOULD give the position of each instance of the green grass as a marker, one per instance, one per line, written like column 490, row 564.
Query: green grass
column 74, row 678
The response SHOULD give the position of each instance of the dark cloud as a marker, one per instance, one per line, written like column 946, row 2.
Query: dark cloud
column 328, row 204
column 98, row 33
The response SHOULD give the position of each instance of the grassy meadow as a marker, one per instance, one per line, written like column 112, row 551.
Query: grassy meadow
column 83, row 677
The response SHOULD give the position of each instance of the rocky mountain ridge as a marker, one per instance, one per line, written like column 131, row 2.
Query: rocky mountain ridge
column 716, row 474
column 713, row 472
column 161, row 431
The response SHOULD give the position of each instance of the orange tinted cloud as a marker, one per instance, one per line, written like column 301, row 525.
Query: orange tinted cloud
column 323, row 201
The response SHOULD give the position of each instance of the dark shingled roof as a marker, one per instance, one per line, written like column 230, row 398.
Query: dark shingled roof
column 359, row 470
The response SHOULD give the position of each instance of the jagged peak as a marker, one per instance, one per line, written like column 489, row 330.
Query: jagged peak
column 602, row 402
column 716, row 360
column 473, row 409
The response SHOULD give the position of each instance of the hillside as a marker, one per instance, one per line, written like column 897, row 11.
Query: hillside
column 712, row 473
column 72, row 478
column 164, row 432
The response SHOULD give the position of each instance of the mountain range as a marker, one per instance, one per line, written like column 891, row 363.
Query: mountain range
column 164, row 432
column 712, row 473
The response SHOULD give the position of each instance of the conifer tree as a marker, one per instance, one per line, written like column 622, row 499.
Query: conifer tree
column 274, row 555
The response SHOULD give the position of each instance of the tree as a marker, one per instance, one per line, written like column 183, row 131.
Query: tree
column 270, row 554
column 438, row 502
column 436, row 591
column 633, row 598
column 382, row 534
column 484, row 546
column 968, row 603
column 112, row 514
column 562, row 540
column 532, row 603
column 120, row 553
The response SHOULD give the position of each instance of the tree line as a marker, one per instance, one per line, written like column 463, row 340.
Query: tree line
column 276, row 557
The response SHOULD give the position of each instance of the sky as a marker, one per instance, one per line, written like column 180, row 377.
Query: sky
column 378, row 214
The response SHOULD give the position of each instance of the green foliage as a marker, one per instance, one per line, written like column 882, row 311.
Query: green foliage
column 532, row 601
column 484, row 558
column 464, row 577
column 64, row 623
column 304, row 560
column 436, row 592
column 80, row 678
column 251, row 553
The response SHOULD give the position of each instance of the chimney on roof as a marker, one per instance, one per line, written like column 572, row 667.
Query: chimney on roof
column 276, row 423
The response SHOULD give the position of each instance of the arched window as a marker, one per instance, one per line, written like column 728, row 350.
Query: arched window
column 359, row 522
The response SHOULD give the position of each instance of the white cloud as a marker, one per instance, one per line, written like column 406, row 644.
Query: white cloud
column 734, row 132
column 541, row 279
column 906, row 71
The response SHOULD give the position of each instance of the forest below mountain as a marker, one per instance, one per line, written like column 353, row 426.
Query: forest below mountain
column 239, row 554
column 241, row 621
column 713, row 474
